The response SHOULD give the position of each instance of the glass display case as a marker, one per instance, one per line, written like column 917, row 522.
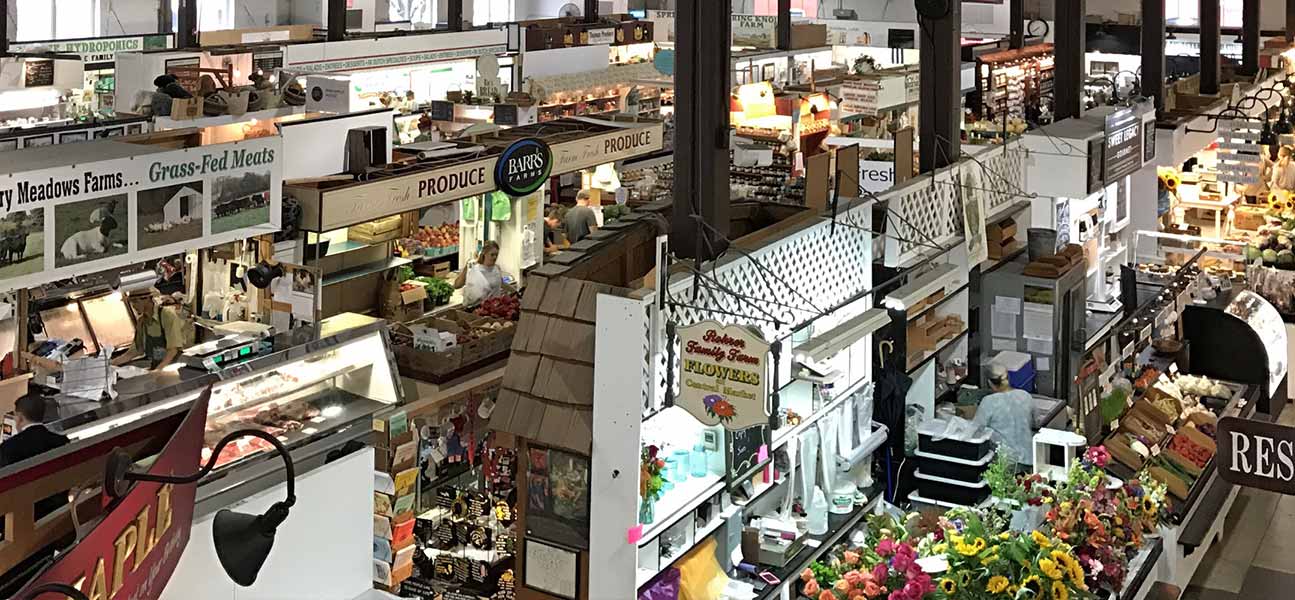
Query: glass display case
column 314, row 395
column 1159, row 255
column 1256, row 312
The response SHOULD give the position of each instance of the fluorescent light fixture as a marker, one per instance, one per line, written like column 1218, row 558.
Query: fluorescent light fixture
column 826, row 345
column 921, row 287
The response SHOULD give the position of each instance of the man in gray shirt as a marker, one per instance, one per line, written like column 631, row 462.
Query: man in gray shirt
column 581, row 220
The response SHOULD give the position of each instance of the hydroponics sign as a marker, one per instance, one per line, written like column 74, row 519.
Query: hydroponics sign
column 1257, row 454
column 97, row 50
column 722, row 373
column 95, row 216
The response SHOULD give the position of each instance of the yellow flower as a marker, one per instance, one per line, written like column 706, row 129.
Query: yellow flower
column 997, row 584
column 1065, row 506
column 966, row 549
column 979, row 545
column 940, row 548
column 1050, row 568
column 1033, row 584
column 989, row 560
column 948, row 586
column 1077, row 574
column 1059, row 591
column 1004, row 536
column 1040, row 539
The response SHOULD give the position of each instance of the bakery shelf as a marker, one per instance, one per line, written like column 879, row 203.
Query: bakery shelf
column 945, row 345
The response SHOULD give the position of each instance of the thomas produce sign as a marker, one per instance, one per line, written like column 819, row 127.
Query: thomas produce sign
column 722, row 375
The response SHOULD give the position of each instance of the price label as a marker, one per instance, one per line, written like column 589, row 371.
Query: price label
column 1155, row 450
column 1128, row 350
column 1145, row 334
column 1173, row 368
column 1115, row 424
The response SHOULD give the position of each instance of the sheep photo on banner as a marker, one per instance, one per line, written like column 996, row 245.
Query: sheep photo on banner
column 82, row 218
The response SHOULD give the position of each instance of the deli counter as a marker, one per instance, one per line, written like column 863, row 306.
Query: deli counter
column 317, row 391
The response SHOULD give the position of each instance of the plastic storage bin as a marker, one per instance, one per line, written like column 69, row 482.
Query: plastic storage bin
column 972, row 450
column 957, row 469
column 950, row 490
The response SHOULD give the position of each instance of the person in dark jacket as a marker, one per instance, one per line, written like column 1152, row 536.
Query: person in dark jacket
column 33, row 437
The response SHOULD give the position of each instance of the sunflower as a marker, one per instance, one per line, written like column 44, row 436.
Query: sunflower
column 1059, row 591
column 948, row 586
column 964, row 579
column 1050, row 568
column 979, row 545
column 1148, row 505
column 997, row 584
column 1033, row 584
column 940, row 548
column 1077, row 575
column 1040, row 539
column 966, row 549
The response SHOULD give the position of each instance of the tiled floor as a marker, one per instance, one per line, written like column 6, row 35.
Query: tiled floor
column 1256, row 560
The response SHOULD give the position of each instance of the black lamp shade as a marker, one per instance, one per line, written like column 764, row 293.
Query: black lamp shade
column 242, row 545
column 263, row 274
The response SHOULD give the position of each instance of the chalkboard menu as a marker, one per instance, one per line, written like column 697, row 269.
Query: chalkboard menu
column 38, row 73
column 441, row 110
column 743, row 458
column 506, row 114
column 1148, row 142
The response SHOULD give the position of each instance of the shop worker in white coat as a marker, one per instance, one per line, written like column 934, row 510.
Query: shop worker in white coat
column 482, row 279
column 1009, row 415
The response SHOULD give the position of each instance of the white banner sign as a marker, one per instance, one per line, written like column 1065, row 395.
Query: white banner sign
column 359, row 203
column 394, row 60
column 603, row 36
column 876, row 176
column 97, row 50
column 758, row 31
column 722, row 373
column 89, row 217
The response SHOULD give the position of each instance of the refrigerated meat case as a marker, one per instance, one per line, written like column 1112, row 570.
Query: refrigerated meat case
column 317, row 396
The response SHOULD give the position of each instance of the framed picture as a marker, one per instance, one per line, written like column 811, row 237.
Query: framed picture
column 551, row 569
column 38, row 140
column 768, row 72
column 557, row 495
column 73, row 136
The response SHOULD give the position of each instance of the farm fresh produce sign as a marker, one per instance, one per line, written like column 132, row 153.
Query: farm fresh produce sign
column 83, row 217
column 722, row 375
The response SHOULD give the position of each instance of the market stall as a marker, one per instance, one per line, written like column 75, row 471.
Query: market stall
column 98, row 56
column 42, row 90
column 441, row 207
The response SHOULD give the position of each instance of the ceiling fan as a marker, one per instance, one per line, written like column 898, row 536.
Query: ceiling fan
column 569, row 10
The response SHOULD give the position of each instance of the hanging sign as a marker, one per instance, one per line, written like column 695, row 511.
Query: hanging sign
column 722, row 375
column 859, row 97
column 98, row 50
column 1239, row 158
column 133, row 550
column 876, row 176
column 1123, row 153
column 523, row 167
column 1257, row 454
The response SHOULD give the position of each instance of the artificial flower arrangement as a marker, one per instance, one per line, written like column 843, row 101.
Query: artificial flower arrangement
column 651, row 481
column 1090, row 533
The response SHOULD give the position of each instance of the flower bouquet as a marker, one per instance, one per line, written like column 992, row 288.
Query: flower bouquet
column 651, row 482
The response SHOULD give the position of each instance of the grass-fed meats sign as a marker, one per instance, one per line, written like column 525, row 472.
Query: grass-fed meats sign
column 1257, row 454
column 95, row 216
column 348, row 205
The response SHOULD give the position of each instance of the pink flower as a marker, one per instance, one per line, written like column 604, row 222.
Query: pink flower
column 811, row 588
column 841, row 585
column 807, row 575
column 851, row 558
column 872, row 590
column 902, row 561
column 853, row 578
column 880, row 572
column 885, row 547
column 855, row 594
column 826, row 595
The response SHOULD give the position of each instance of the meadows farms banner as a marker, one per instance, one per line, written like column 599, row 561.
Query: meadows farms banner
column 95, row 216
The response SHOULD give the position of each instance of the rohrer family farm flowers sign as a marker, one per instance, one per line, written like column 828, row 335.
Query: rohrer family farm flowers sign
column 722, row 375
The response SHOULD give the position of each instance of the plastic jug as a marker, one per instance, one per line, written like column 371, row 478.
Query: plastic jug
column 818, row 513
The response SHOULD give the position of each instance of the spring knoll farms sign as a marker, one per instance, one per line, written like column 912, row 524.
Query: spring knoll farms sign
column 722, row 375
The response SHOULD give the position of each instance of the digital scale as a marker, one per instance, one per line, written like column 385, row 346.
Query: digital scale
column 240, row 342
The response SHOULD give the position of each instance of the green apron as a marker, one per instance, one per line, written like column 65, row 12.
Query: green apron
column 155, row 345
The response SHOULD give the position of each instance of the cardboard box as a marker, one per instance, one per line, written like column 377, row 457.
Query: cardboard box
column 186, row 108
column 374, row 232
column 1001, row 231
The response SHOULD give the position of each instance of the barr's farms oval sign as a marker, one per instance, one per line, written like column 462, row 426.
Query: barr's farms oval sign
column 523, row 167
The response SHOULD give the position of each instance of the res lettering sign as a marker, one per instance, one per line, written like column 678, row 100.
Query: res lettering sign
column 1257, row 454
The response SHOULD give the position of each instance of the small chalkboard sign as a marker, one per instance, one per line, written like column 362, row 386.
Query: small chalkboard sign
column 742, row 458
column 506, row 114
column 38, row 73
column 441, row 110
column 267, row 62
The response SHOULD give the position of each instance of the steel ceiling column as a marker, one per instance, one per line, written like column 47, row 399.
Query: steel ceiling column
column 1249, row 37
column 1210, row 32
column 1068, row 85
column 1153, row 51
column 939, row 105
column 701, row 148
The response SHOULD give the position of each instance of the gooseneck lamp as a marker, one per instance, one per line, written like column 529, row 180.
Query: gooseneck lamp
column 242, row 541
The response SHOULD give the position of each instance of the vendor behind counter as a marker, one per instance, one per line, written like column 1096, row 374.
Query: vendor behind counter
column 163, row 329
